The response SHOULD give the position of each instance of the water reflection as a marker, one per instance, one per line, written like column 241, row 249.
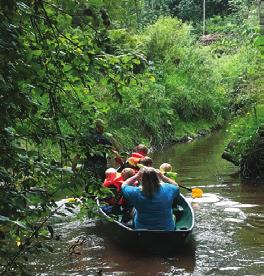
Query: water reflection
column 96, row 254
column 138, row 259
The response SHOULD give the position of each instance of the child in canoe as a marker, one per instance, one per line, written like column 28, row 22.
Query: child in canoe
column 140, row 152
column 145, row 162
column 113, row 181
column 166, row 169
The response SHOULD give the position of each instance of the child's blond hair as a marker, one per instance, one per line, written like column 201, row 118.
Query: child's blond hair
column 165, row 167
column 110, row 173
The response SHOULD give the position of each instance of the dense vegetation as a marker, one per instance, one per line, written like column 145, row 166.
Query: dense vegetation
column 65, row 64
column 246, row 148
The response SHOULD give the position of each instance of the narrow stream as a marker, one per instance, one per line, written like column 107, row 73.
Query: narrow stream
column 228, row 238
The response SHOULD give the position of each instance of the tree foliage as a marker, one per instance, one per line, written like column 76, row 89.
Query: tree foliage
column 190, row 10
column 53, row 53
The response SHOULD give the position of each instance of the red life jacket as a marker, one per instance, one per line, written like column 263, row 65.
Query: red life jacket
column 137, row 154
column 116, row 185
column 116, row 182
column 135, row 158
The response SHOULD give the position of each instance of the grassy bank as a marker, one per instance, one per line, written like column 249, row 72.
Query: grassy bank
column 184, row 85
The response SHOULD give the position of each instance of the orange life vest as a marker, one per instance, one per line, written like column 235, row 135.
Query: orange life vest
column 135, row 158
column 116, row 185
column 137, row 154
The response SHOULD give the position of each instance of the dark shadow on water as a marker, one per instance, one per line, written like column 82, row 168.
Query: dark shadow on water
column 156, row 258
column 254, row 183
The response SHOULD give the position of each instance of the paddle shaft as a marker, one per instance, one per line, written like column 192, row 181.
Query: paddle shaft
column 189, row 189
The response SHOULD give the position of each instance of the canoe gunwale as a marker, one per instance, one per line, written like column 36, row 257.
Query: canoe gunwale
column 112, row 220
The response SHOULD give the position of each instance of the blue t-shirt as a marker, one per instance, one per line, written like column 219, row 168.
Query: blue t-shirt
column 153, row 213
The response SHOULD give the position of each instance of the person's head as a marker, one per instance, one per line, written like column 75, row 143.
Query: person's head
column 127, row 173
column 146, row 161
column 165, row 167
column 150, row 181
column 99, row 125
column 110, row 174
column 142, row 149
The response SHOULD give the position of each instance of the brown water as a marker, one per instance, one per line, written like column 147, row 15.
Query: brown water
column 228, row 237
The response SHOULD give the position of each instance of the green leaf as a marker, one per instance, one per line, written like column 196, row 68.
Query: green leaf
column 136, row 61
column 67, row 67
column 19, row 223
column 37, row 53
column 3, row 218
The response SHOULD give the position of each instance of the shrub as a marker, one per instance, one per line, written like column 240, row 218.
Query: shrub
column 165, row 34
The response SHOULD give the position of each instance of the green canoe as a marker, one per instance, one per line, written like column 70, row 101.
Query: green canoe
column 150, row 239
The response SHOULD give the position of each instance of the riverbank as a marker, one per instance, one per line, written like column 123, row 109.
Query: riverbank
column 246, row 147
column 187, row 133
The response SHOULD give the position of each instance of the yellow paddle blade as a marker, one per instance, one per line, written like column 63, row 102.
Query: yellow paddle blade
column 196, row 192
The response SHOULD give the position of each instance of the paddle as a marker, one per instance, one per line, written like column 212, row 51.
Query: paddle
column 196, row 192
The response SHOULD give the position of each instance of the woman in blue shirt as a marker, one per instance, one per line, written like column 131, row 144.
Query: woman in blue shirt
column 153, row 200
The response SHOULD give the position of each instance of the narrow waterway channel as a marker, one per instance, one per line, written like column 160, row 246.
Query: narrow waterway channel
column 228, row 238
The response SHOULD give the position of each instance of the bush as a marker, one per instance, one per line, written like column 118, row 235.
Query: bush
column 244, row 131
column 164, row 35
column 145, row 111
